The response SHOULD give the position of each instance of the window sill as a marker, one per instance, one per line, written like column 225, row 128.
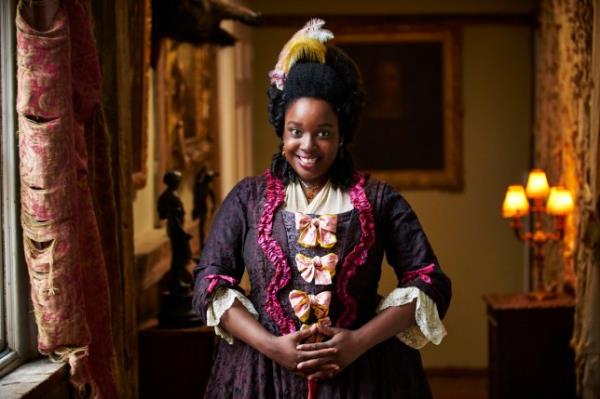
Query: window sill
column 37, row 379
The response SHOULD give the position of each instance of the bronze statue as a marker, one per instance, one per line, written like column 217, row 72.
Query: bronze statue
column 176, row 304
column 202, row 193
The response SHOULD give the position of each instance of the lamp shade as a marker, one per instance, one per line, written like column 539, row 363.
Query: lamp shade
column 560, row 202
column 537, row 184
column 515, row 202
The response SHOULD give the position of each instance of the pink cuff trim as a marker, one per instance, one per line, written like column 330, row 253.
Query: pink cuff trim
column 215, row 279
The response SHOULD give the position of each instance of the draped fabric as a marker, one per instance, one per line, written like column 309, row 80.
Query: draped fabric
column 58, row 94
column 566, row 132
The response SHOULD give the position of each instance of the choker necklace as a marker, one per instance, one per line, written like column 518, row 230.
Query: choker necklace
column 310, row 191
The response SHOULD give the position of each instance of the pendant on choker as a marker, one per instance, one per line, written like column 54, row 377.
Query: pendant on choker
column 311, row 191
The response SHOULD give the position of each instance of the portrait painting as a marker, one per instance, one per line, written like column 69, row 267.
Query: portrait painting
column 188, row 98
column 410, row 128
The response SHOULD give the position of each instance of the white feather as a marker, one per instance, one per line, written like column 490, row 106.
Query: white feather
column 313, row 29
column 321, row 35
column 314, row 23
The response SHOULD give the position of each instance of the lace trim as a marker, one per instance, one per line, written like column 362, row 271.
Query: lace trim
column 428, row 325
column 222, row 301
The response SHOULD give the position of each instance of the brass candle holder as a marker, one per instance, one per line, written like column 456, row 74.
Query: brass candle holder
column 516, row 205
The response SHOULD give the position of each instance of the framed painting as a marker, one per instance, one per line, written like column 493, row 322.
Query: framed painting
column 410, row 132
column 187, row 102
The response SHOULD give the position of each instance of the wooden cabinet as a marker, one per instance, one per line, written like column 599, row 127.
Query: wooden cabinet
column 529, row 352
column 174, row 362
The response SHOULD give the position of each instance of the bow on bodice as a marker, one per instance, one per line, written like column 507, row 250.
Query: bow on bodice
column 319, row 230
column 302, row 303
column 214, row 279
column 422, row 273
column 324, row 322
column 319, row 268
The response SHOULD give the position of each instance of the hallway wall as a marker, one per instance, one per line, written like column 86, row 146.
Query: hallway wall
column 474, row 244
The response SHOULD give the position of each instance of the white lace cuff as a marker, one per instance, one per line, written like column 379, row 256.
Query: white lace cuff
column 222, row 301
column 428, row 325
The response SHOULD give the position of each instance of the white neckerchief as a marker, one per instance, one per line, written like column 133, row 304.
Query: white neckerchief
column 328, row 200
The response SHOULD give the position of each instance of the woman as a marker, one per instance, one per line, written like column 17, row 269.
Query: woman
column 311, row 233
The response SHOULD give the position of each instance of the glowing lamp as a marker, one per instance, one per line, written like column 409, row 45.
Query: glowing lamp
column 515, row 202
column 537, row 185
column 560, row 202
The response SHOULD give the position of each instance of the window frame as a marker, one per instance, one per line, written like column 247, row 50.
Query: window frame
column 16, row 322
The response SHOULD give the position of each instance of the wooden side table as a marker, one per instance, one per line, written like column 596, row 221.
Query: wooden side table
column 174, row 362
column 529, row 352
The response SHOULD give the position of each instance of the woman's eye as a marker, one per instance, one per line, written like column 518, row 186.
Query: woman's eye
column 324, row 133
column 295, row 132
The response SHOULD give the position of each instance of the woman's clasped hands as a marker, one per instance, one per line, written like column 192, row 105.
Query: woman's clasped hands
column 317, row 360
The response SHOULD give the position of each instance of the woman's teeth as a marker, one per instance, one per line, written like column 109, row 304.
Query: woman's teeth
column 307, row 161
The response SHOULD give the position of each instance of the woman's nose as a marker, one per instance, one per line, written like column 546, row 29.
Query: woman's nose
column 307, row 141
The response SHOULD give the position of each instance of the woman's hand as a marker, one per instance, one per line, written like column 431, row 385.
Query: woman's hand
column 284, row 350
column 242, row 325
column 350, row 344
column 348, row 348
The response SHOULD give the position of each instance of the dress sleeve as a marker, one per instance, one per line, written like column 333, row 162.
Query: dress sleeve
column 222, row 263
column 223, row 299
column 428, row 326
column 418, row 271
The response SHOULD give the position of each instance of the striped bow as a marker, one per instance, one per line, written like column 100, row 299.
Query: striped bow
column 302, row 303
column 319, row 230
column 319, row 268
column 324, row 322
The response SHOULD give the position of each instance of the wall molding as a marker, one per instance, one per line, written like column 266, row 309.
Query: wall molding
column 341, row 20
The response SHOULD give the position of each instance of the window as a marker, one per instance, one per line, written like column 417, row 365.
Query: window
column 16, row 323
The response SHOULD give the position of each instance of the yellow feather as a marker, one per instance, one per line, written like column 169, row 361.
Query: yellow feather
column 304, row 48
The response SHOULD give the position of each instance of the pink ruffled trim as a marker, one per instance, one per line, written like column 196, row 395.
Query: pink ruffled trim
column 358, row 256
column 274, row 197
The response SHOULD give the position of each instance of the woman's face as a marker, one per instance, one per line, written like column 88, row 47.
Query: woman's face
column 311, row 139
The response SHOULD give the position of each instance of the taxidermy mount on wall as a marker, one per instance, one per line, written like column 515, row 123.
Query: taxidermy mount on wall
column 196, row 21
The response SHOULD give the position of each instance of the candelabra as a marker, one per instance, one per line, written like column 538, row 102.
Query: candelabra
column 559, row 204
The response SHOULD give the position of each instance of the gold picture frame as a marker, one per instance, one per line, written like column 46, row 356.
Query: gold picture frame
column 140, row 26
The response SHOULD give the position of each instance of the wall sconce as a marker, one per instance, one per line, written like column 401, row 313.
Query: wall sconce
column 517, row 204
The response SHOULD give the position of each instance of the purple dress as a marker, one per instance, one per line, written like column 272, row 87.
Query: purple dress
column 252, row 231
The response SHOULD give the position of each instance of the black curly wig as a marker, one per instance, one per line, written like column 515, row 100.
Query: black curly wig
column 338, row 82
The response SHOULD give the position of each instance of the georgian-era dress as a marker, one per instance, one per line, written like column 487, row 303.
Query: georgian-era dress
column 319, row 262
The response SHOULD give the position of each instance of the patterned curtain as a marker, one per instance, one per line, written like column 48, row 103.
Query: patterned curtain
column 58, row 99
column 566, row 133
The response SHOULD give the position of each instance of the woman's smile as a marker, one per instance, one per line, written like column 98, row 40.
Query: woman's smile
column 307, row 162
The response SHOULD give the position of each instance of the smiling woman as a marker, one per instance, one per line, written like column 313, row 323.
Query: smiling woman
column 338, row 97
column 312, row 233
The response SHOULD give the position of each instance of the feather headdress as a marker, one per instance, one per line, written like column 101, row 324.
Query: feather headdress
column 306, row 44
